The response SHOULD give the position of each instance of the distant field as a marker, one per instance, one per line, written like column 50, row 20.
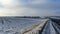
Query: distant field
column 11, row 25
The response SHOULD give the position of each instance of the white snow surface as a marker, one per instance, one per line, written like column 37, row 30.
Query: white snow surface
column 16, row 25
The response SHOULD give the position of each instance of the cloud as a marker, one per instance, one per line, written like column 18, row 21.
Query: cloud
column 28, row 8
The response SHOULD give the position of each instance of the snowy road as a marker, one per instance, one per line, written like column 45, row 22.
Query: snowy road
column 49, row 29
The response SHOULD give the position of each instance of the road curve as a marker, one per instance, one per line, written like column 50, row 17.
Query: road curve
column 48, row 27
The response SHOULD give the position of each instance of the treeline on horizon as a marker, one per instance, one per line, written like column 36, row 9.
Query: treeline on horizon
column 27, row 17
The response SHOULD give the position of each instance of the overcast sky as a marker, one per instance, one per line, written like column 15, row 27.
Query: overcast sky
column 29, row 7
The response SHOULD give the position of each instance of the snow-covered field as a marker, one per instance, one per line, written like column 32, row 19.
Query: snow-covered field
column 16, row 25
